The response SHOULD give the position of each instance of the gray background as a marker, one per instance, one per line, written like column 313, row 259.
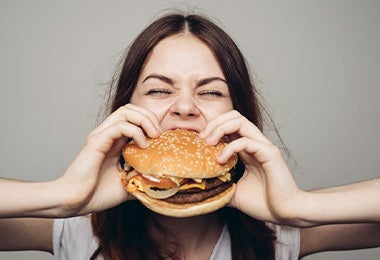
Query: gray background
column 316, row 61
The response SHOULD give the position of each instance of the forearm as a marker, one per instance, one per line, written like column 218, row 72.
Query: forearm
column 26, row 234
column 352, row 203
column 29, row 199
column 339, row 237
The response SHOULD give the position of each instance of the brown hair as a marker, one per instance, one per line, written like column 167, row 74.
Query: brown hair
column 123, row 231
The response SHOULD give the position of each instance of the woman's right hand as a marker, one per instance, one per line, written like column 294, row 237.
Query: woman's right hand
column 92, row 181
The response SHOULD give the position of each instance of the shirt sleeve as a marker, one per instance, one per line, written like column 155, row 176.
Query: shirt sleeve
column 73, row 238
column 287, row 245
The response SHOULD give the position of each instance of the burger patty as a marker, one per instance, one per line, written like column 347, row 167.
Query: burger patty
column 196, row 195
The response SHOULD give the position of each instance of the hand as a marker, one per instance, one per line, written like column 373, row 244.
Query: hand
column 92, row 181
column 267, row 190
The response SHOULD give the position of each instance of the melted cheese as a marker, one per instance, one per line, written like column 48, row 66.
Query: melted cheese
column 225, row 177
column 187, row 186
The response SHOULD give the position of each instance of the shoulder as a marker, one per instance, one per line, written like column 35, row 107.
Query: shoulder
column 73, row 238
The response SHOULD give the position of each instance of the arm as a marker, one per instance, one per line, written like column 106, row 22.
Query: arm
column 339, row 237
column 357, row 202
column 90, row 184
column 26, row 234
column 21, row 198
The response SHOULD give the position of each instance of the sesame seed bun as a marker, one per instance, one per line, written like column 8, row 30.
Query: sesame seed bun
column 179, row 153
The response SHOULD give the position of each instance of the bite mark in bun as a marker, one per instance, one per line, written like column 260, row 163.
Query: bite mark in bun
column 178, row 175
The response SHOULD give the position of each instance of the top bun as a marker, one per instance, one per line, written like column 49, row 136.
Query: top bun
column 178, row 153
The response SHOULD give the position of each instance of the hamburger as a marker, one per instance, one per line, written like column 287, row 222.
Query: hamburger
column 178, row 174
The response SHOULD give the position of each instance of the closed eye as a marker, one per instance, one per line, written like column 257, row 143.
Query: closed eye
column 211, row 93
column 158, row 92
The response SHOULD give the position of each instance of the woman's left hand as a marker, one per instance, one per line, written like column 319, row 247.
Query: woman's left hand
column 267, row 190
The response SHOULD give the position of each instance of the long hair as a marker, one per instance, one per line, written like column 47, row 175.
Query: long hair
column 122, row 231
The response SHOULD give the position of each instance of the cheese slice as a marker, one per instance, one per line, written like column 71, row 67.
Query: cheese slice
column 187, row 186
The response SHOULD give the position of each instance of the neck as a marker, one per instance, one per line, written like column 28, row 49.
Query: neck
column 195, row 236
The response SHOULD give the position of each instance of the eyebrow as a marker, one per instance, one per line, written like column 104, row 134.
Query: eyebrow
column 159, row 77
column 171, row 82
column 206, row 81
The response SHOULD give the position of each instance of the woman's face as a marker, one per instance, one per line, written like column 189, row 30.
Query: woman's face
column 183, row 84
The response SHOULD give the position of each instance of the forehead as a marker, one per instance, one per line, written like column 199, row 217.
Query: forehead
column 182, row 53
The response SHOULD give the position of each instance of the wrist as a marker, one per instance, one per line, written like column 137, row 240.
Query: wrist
column 305, row 210
column 293, row 211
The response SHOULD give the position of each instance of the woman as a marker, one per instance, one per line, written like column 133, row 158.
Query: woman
column 181, row 72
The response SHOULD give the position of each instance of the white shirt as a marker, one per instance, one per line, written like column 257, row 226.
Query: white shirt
column 73, row 239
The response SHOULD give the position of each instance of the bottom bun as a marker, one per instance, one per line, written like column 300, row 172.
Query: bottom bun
column 189, row 209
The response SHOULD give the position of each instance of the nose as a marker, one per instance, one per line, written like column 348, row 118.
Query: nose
column 185, row 107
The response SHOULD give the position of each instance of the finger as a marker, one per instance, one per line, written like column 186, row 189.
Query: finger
column 231, row 124
column 105, row 139
column 262, row 152
column 145, row 113
column 138, row 116
column 231, row 128
column 134, row 115
column 218, row 121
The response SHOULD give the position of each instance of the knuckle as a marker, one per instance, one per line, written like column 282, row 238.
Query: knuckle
column 235, row 113
column 275, row 150
column 90, row 140
column 124, row 109
column 121, row 109
column 127, row 106
column 91, row 135
column 121, row 124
